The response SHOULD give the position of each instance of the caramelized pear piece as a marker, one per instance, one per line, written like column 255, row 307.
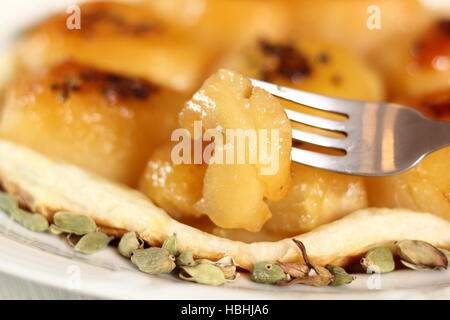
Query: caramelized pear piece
column 103, row 122
column 310, row 65
column 229, row 23
column 174, row 187
column 233, row 197
column 122, row 38
column 364, row 26
column 233, row 193
column 316, row 197
column 424, row 188
column 418, row 64
column 182, row 13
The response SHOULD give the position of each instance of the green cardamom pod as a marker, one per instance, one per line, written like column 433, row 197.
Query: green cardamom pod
column 266, row 272
column 7, row 203
column 171, row 245
column 446, row 253
column 31, row 221
column 420, row 255
column 185, row 258
column 378, row 260
column 322, row 277
column 74, row 223
column 203, row 273
column 92, row 242
column 55, row 230
column 204, row 261
column 128, row 243
column 229, row 267
column 227, row 264
column 153, row 260
column 341, row 277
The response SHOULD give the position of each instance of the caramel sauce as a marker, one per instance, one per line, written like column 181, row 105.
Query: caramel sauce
column 434, row 44
column 435, row 105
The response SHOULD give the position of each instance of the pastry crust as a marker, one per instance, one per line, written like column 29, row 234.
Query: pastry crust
column 46, row 186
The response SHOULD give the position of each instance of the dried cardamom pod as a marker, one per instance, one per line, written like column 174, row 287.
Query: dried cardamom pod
column 128, row 243
column 323, row 277
column 153, row 260
column 378, row 260
column 227, row 264
column 229, row 267
column 446, row 252
column 203, row 273
column 7, row 203
column 92, row 242
column 204, row 261
column 74, row 223
column 266, row 272
column 54, row 229
column 420, row 255
column 295, row 269
column 302, row 248
column 171, row 245
column 185, row 258
column 415, row 267
column 341, row 277
column 31, row 221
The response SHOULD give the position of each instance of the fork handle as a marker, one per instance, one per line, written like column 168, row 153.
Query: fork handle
column 438, row 134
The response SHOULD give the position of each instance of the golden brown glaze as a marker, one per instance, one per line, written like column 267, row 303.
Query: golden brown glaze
column 433, row 45
column 417, row 65
column 174, row 187
column 363, row 26
column 102, row 121
column 121, row 38
column 435, row 105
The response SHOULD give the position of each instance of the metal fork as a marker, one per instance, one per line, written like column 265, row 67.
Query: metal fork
column 380, row 138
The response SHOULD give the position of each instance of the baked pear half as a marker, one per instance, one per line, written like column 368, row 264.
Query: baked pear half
column 118, row 37
column 102, row 121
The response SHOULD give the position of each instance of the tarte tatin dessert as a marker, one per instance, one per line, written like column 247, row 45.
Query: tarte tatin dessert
column 93, row 116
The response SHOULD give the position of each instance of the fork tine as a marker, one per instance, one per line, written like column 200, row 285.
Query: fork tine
column 322, row 161
column 316, row 101
column 319, row 140
column 318, row 122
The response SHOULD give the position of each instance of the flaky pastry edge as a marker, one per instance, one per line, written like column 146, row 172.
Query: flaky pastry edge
column 46, row 186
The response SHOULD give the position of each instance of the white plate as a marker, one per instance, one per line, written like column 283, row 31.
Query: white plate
column 47, row 259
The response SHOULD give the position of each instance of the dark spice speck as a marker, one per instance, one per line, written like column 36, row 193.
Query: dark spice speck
column 323, row 58
column 112, row 86
column 287, row 62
